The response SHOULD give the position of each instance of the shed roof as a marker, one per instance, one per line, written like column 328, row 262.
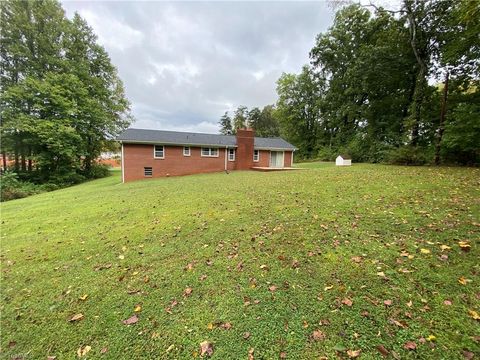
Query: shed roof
column 145, row 136
column 345, row 157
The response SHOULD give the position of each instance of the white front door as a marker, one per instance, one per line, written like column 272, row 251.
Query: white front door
column 276, row 159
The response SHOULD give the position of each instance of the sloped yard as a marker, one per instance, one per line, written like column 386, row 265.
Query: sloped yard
column 358, row 261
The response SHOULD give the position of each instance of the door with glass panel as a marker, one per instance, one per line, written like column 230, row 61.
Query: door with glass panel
column 276, row 159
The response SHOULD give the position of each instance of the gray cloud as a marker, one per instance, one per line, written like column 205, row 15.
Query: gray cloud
column 185, row 63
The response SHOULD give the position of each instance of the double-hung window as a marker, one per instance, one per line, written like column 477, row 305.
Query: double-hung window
column 186, row 151
column 159, row 152
column 231, row 154
column 210, row 152
column 256, row 155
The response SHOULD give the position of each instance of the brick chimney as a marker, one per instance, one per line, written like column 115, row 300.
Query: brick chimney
column 244, row 155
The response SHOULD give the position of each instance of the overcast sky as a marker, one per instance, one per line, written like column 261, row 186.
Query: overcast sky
column 185, row 63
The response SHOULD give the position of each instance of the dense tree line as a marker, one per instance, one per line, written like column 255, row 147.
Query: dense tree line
column 62, row 101
column 263, row 121
column 382, row 85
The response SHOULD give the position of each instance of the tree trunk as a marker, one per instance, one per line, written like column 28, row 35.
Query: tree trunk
column 17, row 164
column 441, row 127
column 29, row 159
column 24, row 158
column 4, row 160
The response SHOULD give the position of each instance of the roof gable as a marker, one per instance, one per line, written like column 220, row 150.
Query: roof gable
column 187, row 138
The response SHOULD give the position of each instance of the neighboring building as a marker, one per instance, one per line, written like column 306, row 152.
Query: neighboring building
column 157, row 153
column 343, row 160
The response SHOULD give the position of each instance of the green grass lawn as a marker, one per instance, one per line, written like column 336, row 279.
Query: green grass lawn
column 296, row 264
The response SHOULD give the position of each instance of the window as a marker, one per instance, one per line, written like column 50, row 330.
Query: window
column 159, row 152
column 147, row 171
column 231, row 154
column 210, row 152
column 256, row 155
column 186, row 151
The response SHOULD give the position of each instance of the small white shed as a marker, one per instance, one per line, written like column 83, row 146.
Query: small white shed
column 343, row 160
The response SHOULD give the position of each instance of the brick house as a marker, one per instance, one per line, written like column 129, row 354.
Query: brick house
column 157, row 153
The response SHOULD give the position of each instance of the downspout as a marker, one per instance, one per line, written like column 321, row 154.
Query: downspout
column 226, row 147
column 123, row 166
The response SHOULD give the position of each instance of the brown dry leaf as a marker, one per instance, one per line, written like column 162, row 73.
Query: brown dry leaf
column 447, row 302
column 189, row 267
column 131, row 320
column 353, row 353
column 206, row 348
column 468, row 355
column 347, row 302
column 283, row 355
column 76, row 317
column 104, row 350
column 203, row 277
column 398, row 323
column 272, row 288
column 83, row 297
column 51, row 357
column 387, row 302
column 187, row 292
column 250, row 354
column 357, row 259
column 382, row 350
column 464, row 245
column 410, row 345
column 246, row 335
column 410, row 303
column 83, row 350
column 463, row 280
column 318, row 335
column 226, row 326
column 329, row 287
column 295, row 264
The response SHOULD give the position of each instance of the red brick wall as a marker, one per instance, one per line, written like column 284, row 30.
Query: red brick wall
column 287, row 159
column 138, row 156
column 245, row 140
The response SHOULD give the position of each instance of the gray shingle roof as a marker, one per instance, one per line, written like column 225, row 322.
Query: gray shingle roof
column 185, row 138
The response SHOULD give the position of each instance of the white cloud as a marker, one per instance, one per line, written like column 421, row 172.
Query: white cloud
column 185, row 63
column 112, row 33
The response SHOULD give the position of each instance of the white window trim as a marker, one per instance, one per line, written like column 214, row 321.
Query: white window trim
column 258, row 158
column 154, row 152
column 210, row 152
column 228, row 153
column 189, row 151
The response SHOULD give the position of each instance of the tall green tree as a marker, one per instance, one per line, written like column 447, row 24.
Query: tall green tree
column 299, row 109
column 240, row 118
column 55, row 124
column 226, row 124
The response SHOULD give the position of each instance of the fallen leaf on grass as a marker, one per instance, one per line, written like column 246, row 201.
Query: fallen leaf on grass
column 329, row 287
column 210, row 326
column 445, row 247
column 357, row 259
column 381, row 274
column 12, row 344
column 203, row 277
column 447, row 302
column 425, row 251
column 83, row 350
column 318, row 335
column 468, row 355
column 387, row 302
column 104, row 350
column 51, row 357
column 272, row 288
column 398, row 323
column 206, row 348
column 83, row 297
column 187, row 292
column 250, row 353
column 131, row 320
column 76, row 317
column 431, row 338
column 382, row 350
column 473, row 314
column 463, row 281
column 226, row 326
column 410, row 345
column 246, row 335
column 464, row 245
column 410, row 303
column 353, row 353
column 137, row 308
column 121, row 256
column 347, row 302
